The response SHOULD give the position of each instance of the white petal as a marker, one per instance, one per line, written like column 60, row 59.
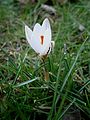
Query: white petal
column 47, row 42
column 37, row 46
column 37, row 32
column 36, row 42
column 46, row 24
column 37, row 28
column 47, row 33
column 28, row 33
column 46, row 51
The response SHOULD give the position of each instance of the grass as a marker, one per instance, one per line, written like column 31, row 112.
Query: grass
column 24, row 94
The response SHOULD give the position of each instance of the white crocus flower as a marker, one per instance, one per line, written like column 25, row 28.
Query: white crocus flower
column 40, row 38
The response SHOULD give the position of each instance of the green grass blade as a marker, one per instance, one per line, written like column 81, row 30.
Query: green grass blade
column 26, row 82
column 73, row 65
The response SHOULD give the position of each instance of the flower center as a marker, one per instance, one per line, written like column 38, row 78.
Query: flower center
column 42, row 39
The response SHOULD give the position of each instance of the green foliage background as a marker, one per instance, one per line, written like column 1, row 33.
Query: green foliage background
column 24, row 94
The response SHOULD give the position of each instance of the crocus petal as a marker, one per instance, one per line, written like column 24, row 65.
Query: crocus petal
column 37, row 46
column 37, row 28
column 47, row 30
column 47, row 43
column 28, row 33
column 46, row 51
column 36, row 42
column 46, row 24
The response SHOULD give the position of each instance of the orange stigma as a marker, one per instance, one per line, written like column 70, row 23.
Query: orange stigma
column 42, row 39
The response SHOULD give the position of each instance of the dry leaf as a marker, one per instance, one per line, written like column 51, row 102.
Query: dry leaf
column 48, row 8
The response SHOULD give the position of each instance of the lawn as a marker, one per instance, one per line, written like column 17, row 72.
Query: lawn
column 59, row 87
